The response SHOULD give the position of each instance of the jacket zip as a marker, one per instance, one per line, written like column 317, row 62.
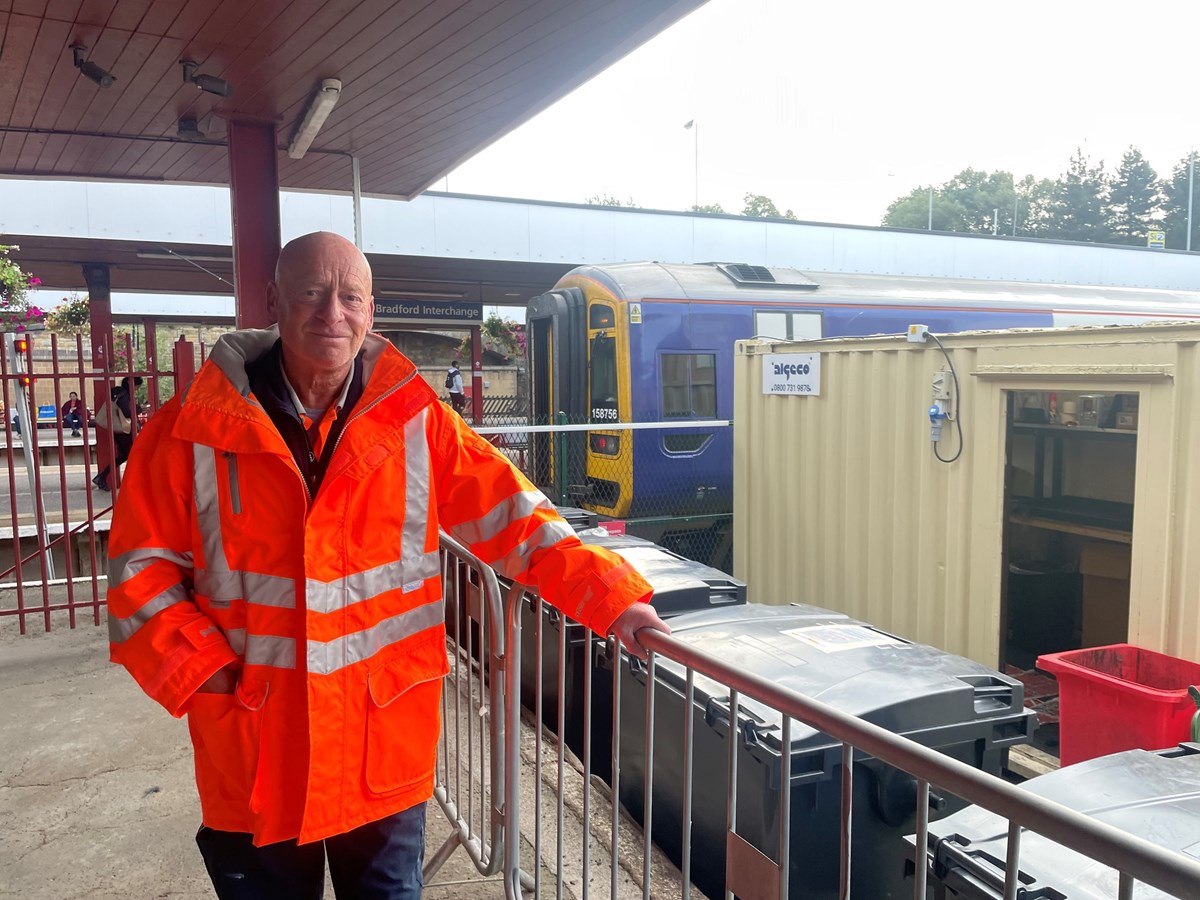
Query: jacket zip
column 235, row 490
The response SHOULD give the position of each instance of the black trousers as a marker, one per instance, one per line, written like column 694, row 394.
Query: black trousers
column 122, row 444
column 377, row 861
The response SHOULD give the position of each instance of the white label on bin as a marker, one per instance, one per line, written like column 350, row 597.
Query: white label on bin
column 836, row 638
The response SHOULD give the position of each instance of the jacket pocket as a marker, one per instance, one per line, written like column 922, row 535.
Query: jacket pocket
column 404, row 717
column 226, row 735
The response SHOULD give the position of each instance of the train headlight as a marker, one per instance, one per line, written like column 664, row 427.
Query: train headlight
column 606, row 444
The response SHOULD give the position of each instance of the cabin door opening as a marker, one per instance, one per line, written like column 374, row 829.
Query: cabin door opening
column 1069, row 500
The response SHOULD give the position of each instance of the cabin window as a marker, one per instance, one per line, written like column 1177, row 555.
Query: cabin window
column 601, row 315
column 689, row 385
column 787, row 325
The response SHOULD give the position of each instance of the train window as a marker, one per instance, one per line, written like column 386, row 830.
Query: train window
column 601, row 315
column 604, row 378
column 787, row 325
column 689, row 385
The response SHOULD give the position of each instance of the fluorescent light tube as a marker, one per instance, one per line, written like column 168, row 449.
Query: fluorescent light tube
column 318, row 111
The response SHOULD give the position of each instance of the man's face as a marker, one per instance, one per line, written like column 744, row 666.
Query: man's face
column 322, row 301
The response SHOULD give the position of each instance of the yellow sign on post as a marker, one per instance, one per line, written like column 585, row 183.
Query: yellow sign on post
column 1156, row 240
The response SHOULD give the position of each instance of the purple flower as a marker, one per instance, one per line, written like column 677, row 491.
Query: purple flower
column 35, row 280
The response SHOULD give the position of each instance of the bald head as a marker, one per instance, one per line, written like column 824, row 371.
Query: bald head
column 300, row 251
column 321, row 298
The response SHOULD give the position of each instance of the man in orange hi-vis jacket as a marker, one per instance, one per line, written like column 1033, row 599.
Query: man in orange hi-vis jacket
column 274, row 576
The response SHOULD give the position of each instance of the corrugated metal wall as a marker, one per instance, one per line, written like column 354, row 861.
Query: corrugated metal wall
column 840, row 502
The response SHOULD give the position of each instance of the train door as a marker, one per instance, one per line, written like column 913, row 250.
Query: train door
column 609, row 453
column 558, row 375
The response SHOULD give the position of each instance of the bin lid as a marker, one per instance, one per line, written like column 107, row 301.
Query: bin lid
column 680, row 584
column 929, row 695
column 577, row 518
column 1155, row 795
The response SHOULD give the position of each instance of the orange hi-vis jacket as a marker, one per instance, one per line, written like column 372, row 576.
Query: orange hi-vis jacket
column 331, row 606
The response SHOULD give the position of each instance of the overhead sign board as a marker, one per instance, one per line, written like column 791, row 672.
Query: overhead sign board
column 428, row 312
column 797, row 374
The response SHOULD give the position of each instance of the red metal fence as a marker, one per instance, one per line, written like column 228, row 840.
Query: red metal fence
column 53, row 547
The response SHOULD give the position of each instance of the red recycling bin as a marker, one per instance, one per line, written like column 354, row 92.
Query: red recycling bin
column 1120, row 697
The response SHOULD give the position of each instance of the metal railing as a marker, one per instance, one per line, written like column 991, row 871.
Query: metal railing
column 469, row 782
column 53, row 548
column 751, row 872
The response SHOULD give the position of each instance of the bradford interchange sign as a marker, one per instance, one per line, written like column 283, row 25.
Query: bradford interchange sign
column 429, row 312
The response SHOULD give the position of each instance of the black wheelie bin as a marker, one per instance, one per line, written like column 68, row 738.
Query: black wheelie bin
column 1154, row 795
column 942, row 701
column 680, row 585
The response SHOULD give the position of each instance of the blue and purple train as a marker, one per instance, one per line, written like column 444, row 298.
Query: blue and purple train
column 650, row 343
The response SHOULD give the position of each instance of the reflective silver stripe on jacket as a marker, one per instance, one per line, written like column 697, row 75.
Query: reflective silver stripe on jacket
column 124, row 567
column 325, row 658
column 121, row 630
column 208, row 507
column 516, row 561
column 416, row 564
column 265, row 590
column 216, row 581
column 521, row 505
column 263, row 649
column 330, row 596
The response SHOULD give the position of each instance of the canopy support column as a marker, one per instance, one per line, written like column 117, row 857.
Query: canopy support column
column 254, row 196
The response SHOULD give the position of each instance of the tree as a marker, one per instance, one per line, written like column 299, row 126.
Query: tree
column 1134, row 199
column 912, row 211
column 760, row 206
column 983, row 201
column 706, row 208
column 16, row 312
column 1175, row 208
column 604, row 198
column 972, row 201
column 1078, row 211
column 1034, row 199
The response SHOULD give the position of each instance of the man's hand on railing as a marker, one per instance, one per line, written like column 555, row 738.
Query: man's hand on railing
column 633, row 620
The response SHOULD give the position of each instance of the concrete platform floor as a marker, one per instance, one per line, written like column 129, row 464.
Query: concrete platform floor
column 96, row 793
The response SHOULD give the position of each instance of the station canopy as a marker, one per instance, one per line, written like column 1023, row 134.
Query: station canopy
column 425, row 84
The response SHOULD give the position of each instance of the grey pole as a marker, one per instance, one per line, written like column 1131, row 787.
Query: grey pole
column 1191, row 182
column 995, row 220
column 696, row 164
column 931, row 207
column 357, row 175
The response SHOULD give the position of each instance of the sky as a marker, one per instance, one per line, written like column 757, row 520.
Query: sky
column 833, row 110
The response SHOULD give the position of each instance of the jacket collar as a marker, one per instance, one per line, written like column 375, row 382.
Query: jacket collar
column 218, row 410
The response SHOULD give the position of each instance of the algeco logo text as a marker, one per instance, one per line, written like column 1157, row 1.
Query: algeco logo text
column 787, row 370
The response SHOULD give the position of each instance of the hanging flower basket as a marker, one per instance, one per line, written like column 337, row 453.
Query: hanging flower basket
column 16, row 312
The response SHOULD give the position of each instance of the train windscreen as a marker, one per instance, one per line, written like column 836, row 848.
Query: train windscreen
column 604, row 379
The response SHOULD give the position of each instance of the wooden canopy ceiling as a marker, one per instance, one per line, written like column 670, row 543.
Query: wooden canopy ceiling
column 425, row 83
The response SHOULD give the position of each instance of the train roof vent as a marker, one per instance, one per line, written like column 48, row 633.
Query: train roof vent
column 750, row 275
column 747, row 272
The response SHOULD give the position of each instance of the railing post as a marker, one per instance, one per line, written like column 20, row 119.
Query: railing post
column 184, row 353
column 560, row 470
column 150, row 333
